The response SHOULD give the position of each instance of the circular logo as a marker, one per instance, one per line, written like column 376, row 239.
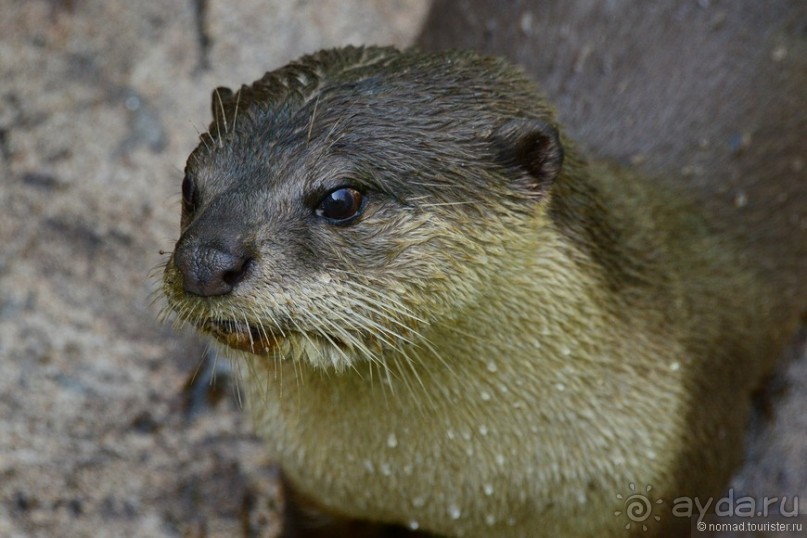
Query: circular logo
column 638, row 507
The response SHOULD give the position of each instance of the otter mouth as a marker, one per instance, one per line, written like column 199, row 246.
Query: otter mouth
column 242, row 336
column 246, row 337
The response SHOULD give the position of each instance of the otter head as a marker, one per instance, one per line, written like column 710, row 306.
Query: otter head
column 343, row 205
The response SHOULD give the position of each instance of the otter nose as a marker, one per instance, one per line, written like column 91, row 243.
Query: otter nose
column 211, row 270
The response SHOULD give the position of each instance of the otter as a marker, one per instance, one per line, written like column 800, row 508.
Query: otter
column 453, row 323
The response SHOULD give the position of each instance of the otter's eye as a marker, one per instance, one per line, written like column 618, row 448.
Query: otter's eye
column 188, row 194
column 341, row 205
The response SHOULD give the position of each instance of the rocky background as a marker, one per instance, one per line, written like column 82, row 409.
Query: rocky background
column 100, row 103
column 109, row 422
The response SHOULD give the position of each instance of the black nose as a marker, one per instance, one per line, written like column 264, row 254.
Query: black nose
column 209, row 270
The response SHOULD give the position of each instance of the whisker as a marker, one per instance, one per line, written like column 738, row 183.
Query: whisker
column 223, row 119
column 201, row 135
column 235, row 114
column 311, row 123
column 440, row 204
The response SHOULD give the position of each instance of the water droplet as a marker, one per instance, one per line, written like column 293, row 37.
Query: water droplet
column 385, row 469
column 483, row 430
column 418, row 502
column 525, row 23
column 454, row 511
column 560, row 386
column 392, row 441
column 490, row 520
column 499, row 459
column 466, row 435
column 369, row 466
column 779, row 54
column 414, row 525
column 565, row 351
column 675, row 366
column 488, row 489
column 485, row 396
column 492, row 367
column 450, row 434
column 132, row 103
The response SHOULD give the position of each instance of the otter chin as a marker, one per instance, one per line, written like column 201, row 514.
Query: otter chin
column 490, row 334
column 241, row 336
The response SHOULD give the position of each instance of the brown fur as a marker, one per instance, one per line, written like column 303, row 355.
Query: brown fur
column 509, row 335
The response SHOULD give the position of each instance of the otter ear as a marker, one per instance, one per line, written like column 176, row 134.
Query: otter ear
column 219, row 104
column 532, row 146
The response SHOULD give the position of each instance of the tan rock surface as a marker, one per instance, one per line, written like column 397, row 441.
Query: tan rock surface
column 100, row 103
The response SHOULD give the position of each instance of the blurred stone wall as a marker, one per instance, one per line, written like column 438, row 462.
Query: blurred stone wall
column 100, row 104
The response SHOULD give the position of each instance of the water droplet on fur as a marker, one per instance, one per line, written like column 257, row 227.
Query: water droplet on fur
column 132, row 103
column 490, row 520
column 466, row 435
column 392, row 440
column 492, row 367
column 499, row 459
column 385, row 469
column 450, row 434
column 414, row 525
column 483, row 430
column 675, row 366
column 526, row 23
column 369, row 466
column 565, row 351
column 488, row 489
column 485, row 396
column 418, row 502
column 454, row 511
column 560, row 386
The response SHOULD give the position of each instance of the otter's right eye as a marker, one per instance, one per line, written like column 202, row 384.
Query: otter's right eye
column 341, row 206
column 188, row 194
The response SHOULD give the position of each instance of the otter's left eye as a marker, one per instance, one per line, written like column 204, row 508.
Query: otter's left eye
column 189, row 194
column 342, row 205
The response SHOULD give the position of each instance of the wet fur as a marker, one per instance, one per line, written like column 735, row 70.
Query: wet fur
column 497, row 347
